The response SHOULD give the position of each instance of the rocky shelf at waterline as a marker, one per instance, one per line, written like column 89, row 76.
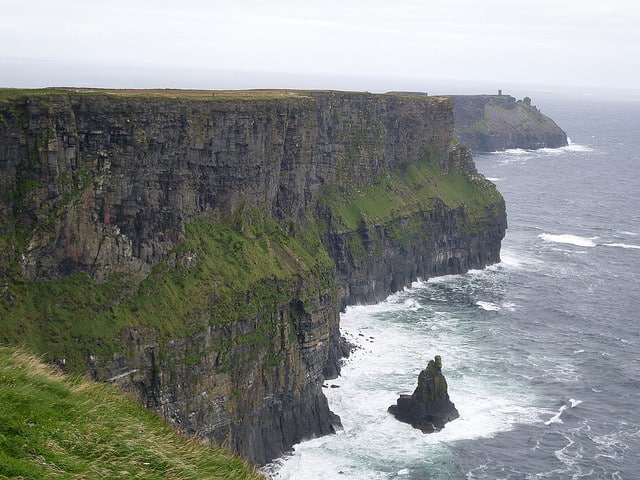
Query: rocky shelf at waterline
column 195, row 248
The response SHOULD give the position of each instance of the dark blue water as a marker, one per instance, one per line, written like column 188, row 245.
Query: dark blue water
column 541, row 352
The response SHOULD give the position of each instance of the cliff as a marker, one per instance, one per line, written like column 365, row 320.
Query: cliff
column 195, row 248
column 488, row 123
column 56, row 426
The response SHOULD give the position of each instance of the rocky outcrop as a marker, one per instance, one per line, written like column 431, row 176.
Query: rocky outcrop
column 195, row 248
column 488, row 123
column 253, row 384
column 387, row 263
column 429, row 408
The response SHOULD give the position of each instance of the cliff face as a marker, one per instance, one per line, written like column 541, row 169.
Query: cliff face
column 488, row 123
column 195, row 248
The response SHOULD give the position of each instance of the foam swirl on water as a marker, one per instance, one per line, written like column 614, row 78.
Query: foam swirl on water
column 569, row 239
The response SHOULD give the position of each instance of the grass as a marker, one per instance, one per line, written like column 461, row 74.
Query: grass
column 408, row 190
column 221, row 271
column 10, row 94
column 57, row 426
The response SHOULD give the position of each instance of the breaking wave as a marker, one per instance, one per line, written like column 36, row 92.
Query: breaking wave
column 569, row 239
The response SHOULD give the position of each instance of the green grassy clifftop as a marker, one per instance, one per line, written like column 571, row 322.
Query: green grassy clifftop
column 57, row 426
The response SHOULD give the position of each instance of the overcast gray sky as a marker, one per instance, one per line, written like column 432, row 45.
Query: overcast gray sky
column 546, row 42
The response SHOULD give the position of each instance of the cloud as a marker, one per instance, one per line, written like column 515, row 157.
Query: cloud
column 545, row 39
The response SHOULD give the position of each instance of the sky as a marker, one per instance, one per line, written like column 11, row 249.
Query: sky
column 350, row 44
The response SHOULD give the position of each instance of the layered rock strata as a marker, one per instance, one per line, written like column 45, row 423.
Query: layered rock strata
column 429, row 407
column 488, row 123
column 195, row 248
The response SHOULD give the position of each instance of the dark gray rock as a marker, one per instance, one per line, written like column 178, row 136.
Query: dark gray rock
column 429, row 408
column 488, row 123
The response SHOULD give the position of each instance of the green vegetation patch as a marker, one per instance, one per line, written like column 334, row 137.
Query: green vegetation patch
column 222, row 270
column 11, row 94
column 56, row 426
column 408, row 190
column 479, row 127
column 226, row 270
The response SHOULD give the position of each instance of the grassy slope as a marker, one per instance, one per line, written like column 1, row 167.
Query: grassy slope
column 410, row 190
column 56, row 426
column 237, row 265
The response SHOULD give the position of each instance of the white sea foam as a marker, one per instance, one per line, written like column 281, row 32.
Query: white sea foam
column 488, row 306
column 552, row 151
column 380, row 370
column 622, row 245
column 568, row 148
column 574, row 147
column 569, row 458
column 509, row 306
column 574, row 403
column 514, row 155
column 556, row 418
column 569, row 239
column 412, row 305
column 613, row 445
column 515, row 151
column 519, row 154
column 516, row 261
column 571, row 403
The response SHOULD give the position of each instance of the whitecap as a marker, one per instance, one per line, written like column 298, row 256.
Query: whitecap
column 568, row 148
column 622, row 245
column 574, row 147
column 514, row 155
column 556, row 418
column 569, row 239
column 574, row 403
column 488, row 306
column 552, row 151
column 411, row 305
column 510, row 259
column 509, row 306
column 515, row 151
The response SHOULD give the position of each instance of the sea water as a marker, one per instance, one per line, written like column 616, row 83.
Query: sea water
column 541, row 351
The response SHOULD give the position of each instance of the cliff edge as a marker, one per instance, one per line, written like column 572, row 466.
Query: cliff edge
column 195, row 248
column 488, row 123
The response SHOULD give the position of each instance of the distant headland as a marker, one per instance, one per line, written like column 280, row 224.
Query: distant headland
column 488, row 123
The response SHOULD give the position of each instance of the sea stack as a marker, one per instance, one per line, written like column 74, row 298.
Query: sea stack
column 429, row 408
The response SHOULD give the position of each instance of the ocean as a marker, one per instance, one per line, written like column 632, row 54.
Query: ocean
column 541, row 352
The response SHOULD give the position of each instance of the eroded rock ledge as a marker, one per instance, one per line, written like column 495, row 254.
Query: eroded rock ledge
column 195, row 248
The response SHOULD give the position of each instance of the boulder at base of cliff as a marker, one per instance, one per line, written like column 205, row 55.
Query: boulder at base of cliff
column 429, row 408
